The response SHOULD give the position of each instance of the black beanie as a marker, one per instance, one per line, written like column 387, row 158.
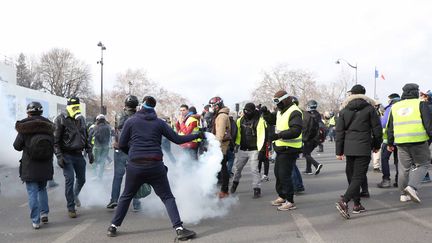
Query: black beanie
column 358, row 89
column 250, row 107
column 149, row 101
column 73, row 101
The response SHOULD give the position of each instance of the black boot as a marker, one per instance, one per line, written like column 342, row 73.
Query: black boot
column 234, row 186
column 184, row 234
column 257, row 193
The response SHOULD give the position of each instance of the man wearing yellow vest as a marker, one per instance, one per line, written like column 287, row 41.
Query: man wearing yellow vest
column 358, row 132
column 250, row 137
column 287, row 142
column 410, row 127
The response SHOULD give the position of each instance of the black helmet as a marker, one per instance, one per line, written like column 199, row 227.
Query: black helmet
column 131, row 101
column 34, row 108
column 312, row 105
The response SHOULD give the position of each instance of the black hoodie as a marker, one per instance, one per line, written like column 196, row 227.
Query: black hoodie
column 358, row 128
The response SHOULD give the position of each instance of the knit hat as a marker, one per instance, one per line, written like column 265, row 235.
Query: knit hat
column 149, row 101
column 250, row 107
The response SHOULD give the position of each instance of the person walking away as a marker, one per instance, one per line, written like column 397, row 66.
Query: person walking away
column 221, row 128
column 409, row 128
column 358, row 131
column 332, row 124
column 70, row 139
column 35, row 139
column 141, row 139
column 385, row 154
column 250, row 139
column 310, row 136
column 100, row 137
column 120, row 158
column 287, row 142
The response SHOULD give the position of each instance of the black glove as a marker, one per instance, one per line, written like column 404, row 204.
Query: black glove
column 60, row 162
column 90, row 157
column 201, row 135
column 274, row 136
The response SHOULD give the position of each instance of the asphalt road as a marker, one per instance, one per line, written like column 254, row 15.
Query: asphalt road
column 249, row 220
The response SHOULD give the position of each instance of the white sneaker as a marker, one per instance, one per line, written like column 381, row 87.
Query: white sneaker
column 265, row 178
column 286, row 206
column 405, row 198
column 413, row 194
column 35, row 226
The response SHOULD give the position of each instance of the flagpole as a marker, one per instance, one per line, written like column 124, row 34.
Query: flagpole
column 375, row 75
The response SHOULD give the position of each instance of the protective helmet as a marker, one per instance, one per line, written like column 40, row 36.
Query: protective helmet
column 216, row 101
column 131, row 101
column 311, row 105
column 331, row 113
column 34, row 108
column 100, row 117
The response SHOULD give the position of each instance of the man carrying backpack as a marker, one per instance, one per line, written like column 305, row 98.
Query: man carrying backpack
column 100, row 137
column 311, row 134
column 36, row 139
column 70, row 139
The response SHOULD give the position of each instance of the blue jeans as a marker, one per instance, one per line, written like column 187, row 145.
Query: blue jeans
column 385, row 157
column 120, row 162
column 154, row 175
column 75, row 165
column 296, row 178
column 100, row 156
column 230, row 160
column 37, row 200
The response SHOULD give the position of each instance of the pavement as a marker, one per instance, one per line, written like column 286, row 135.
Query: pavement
column 248, row 220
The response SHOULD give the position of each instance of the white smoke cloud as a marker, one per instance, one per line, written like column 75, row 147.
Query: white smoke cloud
column 193, row 184
column 9, row 157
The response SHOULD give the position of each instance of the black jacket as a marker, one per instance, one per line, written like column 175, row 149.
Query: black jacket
column 358, row 128
column 33, row 170
column 70, row 135
column 307, row 129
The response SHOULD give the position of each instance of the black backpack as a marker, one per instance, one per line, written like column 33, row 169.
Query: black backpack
column 41, row 147
column 313, row 127
column 102, row 134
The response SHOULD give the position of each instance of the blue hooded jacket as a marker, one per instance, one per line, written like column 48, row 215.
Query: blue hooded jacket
column 142, row 135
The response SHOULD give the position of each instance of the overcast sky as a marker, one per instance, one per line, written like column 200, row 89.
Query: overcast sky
column 206, row 48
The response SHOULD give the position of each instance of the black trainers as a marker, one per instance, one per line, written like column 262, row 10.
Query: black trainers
column 257, row 193
column 112, row 231
column 343, row 209
column 234, row 186
column 111, row 205
column 358, row 209
column 365, row 194
column 318, row 169
column 44, row 219
column 184, row 234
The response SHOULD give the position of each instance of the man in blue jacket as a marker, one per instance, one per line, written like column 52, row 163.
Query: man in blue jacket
column 141, row 140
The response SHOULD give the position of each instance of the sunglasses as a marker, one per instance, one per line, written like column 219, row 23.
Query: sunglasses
column 278, row 100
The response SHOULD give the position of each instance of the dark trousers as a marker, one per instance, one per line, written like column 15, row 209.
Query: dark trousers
column 75, row 165
column 224, row 175
column 385, row 157
column 356, row 169
column 283, row 171
column 263, row 160
column 297, row 179
column 156, row 176
column 308, row 147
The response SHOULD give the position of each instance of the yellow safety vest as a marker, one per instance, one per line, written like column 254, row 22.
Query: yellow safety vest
column 261, row 126
column 332, row 121
column 196, row 129
column 93, row 138
column 282, row 124
column 407, row 122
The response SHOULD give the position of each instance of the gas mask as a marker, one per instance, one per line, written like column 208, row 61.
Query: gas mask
column 279, row 102
column 248, row 114
column 211, row 110
column 73, row 111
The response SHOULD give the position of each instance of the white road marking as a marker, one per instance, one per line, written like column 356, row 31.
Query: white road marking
column 424, row 223
column 69, row 235
column 306, row 228
column 49, row 192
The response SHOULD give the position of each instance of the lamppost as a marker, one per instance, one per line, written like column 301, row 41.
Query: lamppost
column 130, row 86
column 101, row 63
column 349, row 64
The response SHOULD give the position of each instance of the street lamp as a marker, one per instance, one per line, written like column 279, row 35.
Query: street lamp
column 130, row 86
column 349, row 64
column 101, row 63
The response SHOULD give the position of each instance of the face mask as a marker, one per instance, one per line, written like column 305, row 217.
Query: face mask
column 280, row 106
column 211, row 110
column 73, row 111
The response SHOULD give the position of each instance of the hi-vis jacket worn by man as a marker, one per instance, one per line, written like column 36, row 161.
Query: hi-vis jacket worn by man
column 410, row 127
column 250, row 137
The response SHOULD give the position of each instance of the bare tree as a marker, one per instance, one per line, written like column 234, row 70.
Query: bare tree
column 61, row 74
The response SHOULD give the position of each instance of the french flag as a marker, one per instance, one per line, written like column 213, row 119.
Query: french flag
column 379, row 76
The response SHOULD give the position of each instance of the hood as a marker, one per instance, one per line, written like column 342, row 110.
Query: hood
column 146, row 114
column 225, row 110
column 35, row 124
column 357, row 102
